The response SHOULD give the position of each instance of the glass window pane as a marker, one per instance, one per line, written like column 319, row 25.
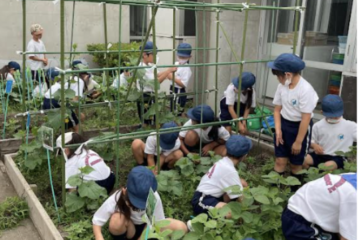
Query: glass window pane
column 138, row 19
column 189, row 22
column 326, row 29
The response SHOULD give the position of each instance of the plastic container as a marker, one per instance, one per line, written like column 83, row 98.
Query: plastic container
column 334, row 90
column 253, row 124
column 335, row 77
column 342, row 50
column 338, row 58
column 335, row 83
column 343, row 39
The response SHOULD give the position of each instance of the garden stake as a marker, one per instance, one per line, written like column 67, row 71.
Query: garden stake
column 72, row 33
column 23, row 60
column 62, row 64
column 27, row 134
column 1, row 94
column 9, row 84
column 217, row 57
column 242, row 65
column 174, row 100
column 52, row 186
column 106, row 55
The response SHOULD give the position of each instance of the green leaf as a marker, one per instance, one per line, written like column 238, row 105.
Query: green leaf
column 201, row 218
column 91, row 190
column 32, row 162
column 178, row 234
column 73, row 202
column 259, row 190
column 235, row 208
column 92, row 205
column 233, row 190
column 198, row 227
column 162, row 223
column 75, row 180
column 192, row 236
column 292, row 181
column 278, row 200
column 247, row 216
column 86, row 170
column 262, row 199
column 69, row 93
column 133, row 95
column 165, row 233
column 211, row 224
column 31, row 147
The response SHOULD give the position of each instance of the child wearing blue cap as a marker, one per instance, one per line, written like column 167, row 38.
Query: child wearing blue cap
column 295, row 100
column 90, row 85
column 142, row 84
column 211, row 191
column 146, row 153
column 8, row 71
column 81, row 157
column 323, row 209
column 228, row 104
column 125, row 208
column 182, row 77
column 331, row 134
column 213, row 138
column 76, row 84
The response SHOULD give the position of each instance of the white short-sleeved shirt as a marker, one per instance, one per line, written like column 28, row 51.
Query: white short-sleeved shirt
column 149, row 75
column 204, row 134
column 231, row 96
column 221, row 175
column 34, row 46
column 87, row 158
column 10, row 77
column 184, row 74
column 334, row 137
column 122, row 82
column 78, row 88
column 104, row 213
column 294, row 102
column 329, row 202
column 150, row 146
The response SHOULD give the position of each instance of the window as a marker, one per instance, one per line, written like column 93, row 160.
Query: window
column 189, row 22
column 138, row 21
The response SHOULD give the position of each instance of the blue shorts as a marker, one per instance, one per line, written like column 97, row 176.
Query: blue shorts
column 107, row 183
column 289, row 133
column 53, row 103
column 225, row 114
column 202, row 203
column 318, row 159
column 295, row 227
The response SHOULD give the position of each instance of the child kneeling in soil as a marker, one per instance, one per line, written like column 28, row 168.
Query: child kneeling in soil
column 126, row 207
column 82, row 157
column 229, row 103
column 146, row 153
column 331, row 134
column 213, row 138
column 323, row 209
column 223, row 174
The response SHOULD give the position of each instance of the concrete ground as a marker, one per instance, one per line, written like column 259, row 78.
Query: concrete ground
column 26, row 229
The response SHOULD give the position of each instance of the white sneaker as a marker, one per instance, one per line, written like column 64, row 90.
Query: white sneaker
column 189, row 226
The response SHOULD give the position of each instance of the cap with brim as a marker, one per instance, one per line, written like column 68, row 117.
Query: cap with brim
column 14, row 65
column 201, row 110
column 238, row 145
column 68, row 137
column 139, row 182
column 287, row 62
column 332, row 106
column 168, row 140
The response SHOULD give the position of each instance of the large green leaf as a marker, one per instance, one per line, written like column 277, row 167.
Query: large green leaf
column 134, row 95
column 86, row 170
column 262, row 199
column 247, row 216
column 33, row 161
column 91, row 190
column 235, row 208
column 192, row 236
column 201, row 218
column 178, row 234
column 73, row 202
column 31, row 147
column 211, row 224
column 292, row 181
column 75, row 180
column 162, row 223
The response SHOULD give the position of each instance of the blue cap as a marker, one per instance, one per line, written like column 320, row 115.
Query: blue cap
column 149, row 47
column 184, row 50
column 76, row 62
column 14, row 65
column 351, row 178
column 168, row 140
column 207, row 113
column 247, row 80
column 332, row 106
column 287, row 62
column 238, row 145
column 139, row 182
column 52, row 73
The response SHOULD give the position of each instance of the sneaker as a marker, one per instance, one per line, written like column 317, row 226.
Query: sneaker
column 189, row 226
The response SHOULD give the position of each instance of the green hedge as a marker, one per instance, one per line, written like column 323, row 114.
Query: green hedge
column 113, row 57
